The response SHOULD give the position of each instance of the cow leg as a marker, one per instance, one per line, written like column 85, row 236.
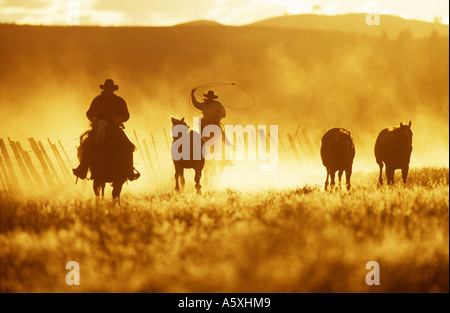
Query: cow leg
column 326, row 181
column 97, row 187
column 405, row 173
column 332, row 176
column 380, row 178
column 390, row 175
column 103, row 190
column 340, row 177
column 348, row 174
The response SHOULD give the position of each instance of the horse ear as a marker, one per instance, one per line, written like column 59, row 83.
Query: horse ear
column 401, row 124
column 173, row 119
column 409, row 124
column 182, row 120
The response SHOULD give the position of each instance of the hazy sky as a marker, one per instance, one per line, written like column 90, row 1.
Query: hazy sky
column 232, row 12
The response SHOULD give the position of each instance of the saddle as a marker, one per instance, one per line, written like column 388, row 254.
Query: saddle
column 107, row 150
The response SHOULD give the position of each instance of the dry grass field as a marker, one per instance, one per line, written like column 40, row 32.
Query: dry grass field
column 278, row 240
column 254, row 231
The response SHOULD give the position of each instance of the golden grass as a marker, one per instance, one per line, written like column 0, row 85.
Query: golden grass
column 277, row 240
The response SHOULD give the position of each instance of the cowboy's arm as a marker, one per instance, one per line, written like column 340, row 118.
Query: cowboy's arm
column 122, row 114
column 91, row 114
column 222, row 112
column 196, row 104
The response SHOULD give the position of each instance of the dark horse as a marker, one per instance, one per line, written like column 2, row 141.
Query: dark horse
column 190, row 140
column 337, row 152
column 393, row 148
column 107, row 159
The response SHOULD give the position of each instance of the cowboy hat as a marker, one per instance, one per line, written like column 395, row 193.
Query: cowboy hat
column 210, row 95
column 109, row 84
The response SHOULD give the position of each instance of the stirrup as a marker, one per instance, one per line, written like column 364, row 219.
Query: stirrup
column 135, row 175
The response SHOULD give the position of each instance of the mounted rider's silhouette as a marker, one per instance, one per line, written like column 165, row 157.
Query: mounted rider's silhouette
column 107, row 114
column 213, row 112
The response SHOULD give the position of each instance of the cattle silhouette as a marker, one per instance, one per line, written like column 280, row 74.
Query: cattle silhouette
column 190, row 161
column 337, row 152
column 393, row 148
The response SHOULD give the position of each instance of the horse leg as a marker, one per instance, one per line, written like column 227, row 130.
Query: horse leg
column 348, row 174
column 177, row 187
column 405, row 173
column 179, row 178
column 326, row 181
column 206, row 178
column 198, row 175
column 103, row 190
column 178, row 174
column 117, row 189
column 182, row 181
column 380, row 177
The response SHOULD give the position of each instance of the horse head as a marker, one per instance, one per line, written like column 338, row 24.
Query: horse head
column 179, row 123
column 406, row 133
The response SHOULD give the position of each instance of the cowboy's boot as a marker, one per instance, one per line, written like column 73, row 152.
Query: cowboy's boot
column 133, row 174
column 81, row 170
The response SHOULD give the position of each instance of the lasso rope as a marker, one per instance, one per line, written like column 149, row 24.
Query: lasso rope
column 219, row 84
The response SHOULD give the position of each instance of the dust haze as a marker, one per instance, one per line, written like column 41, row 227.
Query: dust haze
column 313, row 79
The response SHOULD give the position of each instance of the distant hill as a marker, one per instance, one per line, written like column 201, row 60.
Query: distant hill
column 200, row 23
column 315, row 78
column 356, row 23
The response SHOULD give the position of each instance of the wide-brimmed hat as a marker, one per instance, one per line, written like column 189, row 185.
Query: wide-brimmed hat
column 210, row 95
column 109, row 84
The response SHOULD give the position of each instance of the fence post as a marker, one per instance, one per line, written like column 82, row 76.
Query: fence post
column 167, row 141
column 22, row 167
column 292, row 145
column 64, row 151
column 149, row 158
column 156, row 154
column 4, row 174
column 26, row 157
column 60, row 160
column 140, row 151
column 310, row 147
column 38, row 154
column 49, row 162
column 9, row 166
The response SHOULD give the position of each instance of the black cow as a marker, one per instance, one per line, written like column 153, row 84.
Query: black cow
column 337, row 152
